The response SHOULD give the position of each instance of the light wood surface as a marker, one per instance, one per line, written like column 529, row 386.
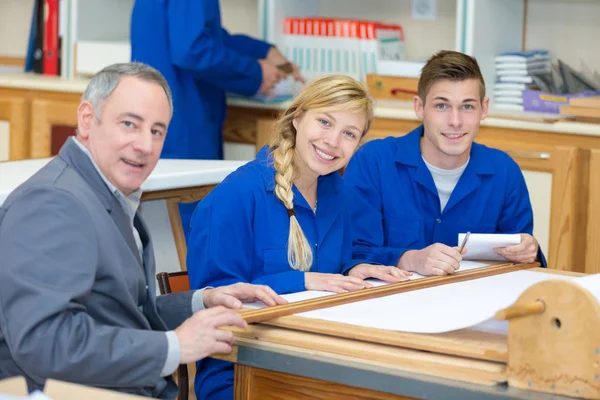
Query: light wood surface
column 15, row 110
column 586, row 112
column 45, row 114
column 264, row 132
column 392, row 87
column 464, row 343
column 386, row 359
column 259, row 384
column 12, row 61
column 566, row 242
column 557, row 351
column 521, row 310
column 592, row 260
column 592, row 102
column 31, row 115
column 70, row 391
column 248, row 125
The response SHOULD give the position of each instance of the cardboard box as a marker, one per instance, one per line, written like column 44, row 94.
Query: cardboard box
column 587, row 102
column 392, row 87
column 57, row 390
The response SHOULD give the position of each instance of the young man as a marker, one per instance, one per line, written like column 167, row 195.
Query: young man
column 412, row 195
column 77, row 291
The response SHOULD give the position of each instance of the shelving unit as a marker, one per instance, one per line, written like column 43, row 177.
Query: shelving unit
column 482, row 28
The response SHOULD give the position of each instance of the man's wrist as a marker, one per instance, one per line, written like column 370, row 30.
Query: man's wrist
column 173, row 354
column 206, row 297
column 404, row 260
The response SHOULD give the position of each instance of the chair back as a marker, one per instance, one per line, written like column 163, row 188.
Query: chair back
column 174, row 282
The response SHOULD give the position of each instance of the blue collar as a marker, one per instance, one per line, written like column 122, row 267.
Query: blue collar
column 409, row 153
column 327, row 186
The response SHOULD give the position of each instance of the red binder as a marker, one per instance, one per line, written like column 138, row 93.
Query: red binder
column 51, row 37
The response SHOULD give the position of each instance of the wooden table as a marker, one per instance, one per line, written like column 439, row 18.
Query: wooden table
column 294, row 357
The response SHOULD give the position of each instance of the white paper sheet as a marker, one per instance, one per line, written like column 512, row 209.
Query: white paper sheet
column 480, row 246
column 292, row 297
column 591, row 283
column 492, row 325
column 465, row 265
column 437, row 309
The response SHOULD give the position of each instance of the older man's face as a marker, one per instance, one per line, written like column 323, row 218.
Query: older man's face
column 127, row 138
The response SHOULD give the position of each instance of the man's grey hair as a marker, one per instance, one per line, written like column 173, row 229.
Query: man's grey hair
column 104, row 83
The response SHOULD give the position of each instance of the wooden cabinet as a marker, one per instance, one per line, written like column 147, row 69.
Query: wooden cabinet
column 564, row 250
column 4, row 140
column 249, row 125
column 39, row 121
column 14, row 110
column 52, row 121
column 591, row 241
column 261, row 384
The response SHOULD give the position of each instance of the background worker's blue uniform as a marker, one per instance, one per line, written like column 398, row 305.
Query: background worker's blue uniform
column 395, row 205
column 185, row 41
column 240, row 234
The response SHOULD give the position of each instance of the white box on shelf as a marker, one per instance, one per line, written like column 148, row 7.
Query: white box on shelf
column 92, row 56
column 409, row 69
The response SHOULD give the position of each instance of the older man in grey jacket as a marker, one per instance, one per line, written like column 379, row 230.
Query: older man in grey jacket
column 77, row 266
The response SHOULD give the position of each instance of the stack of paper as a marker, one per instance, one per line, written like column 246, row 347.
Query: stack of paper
column 480, row 246
column 516, row 72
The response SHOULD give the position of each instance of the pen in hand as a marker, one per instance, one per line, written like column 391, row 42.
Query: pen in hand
column 464, row 242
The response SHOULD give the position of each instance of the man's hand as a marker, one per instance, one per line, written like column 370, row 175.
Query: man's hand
column 297, row 75
column 437, row 259
column 524, row 252
column 233, row 296
column 270, row 76
column 200, row 335
column 336, row 283
column 275, row 57
column 385, row 273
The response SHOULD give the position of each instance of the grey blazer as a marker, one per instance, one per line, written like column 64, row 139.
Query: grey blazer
column 76, row 302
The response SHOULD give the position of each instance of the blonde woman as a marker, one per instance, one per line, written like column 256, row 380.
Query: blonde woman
column 281, row 220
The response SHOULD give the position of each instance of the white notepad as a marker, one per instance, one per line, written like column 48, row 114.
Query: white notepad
column 480, row 246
